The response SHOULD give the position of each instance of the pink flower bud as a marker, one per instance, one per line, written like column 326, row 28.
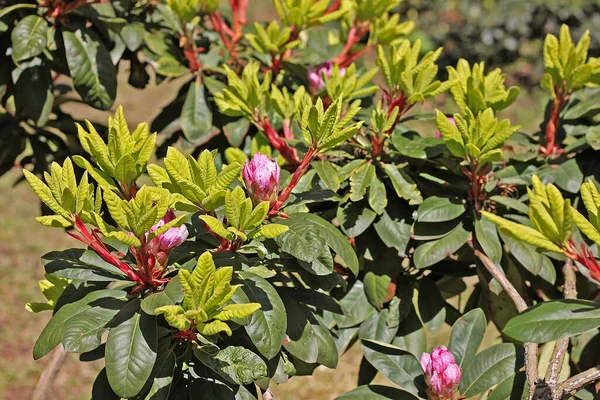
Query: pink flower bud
column 173, row 237
column 438, row 134
column 315, row 77
column 261, row 177
column 442, row 374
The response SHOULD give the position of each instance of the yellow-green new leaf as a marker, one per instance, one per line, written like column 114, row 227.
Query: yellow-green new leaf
column 523, row 233
column 216, row 226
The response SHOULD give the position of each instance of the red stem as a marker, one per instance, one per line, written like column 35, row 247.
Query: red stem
column 560, row 99
column 100, row 248
column 356, row 32
column 300, row 171
column 288, row 153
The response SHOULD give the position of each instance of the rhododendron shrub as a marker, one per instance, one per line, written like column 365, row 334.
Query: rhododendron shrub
column 325, row 212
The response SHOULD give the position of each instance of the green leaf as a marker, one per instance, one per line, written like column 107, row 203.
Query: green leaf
column 432, row 306
column 553, row 320
column 487, row 236
column 51, row 336
column 196, row 117
column 84, row 331
column 376, row 288
column 356, row 307
column 29, row 38
column 377, row 196
column 399, row 366
column 267, row 327
column 450, row 134
column 328, row 174
column 355, row 218
column 360, row 180
column 101, row 389
column 440, row 209
column 512, row 388
column 92, row 70
column 376, row 392
column 302, row 239
column 239, row 365
column 161, row 381
column 430, row 253
column 411, row 333
column 404, row 186
column 171, row 295
column 489, row 368
column 33, row 93
column 467, row 334
column 131, row 351
column 376, row 328
column 326, row 232
column 393, row 232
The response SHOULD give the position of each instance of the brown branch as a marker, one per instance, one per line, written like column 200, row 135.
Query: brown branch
column 577, row 382
column 560, row 348
column 43, row 385
column 531, row 360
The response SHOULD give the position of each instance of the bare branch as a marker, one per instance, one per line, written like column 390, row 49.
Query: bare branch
column 531, row 357
column 560, row 348
column 577, row 382
column 45, row 382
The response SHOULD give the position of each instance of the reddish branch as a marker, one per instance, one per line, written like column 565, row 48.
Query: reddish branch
column 288, row 153
column 230, row 36
column 561, row 96
column 346, row 57
column 92, row 240
column 393, row 101
column 300, row 171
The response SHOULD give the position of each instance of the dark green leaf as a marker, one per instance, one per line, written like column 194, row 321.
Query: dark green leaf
column 196, row 117
column 440, row 209
column 51, row 336
column 432, row 306
column 489, row 368
column 376, row 328
column 355, row 218
column 267, row 327
column 29, row 37
column 101, row 389
column 92, row 70
column 356, row 307
column 171, row 295
column 33, row 94
column 487, row 236
column 161, row 381
column 399, row 366
column 433, row 252
column 83, row 332
column 512, row 388
column 393, row 232
column 553, row 320
column 467, row 334
column 376, row 392
column 131, row 351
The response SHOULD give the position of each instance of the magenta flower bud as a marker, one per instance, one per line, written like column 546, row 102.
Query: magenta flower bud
column 442, row 374
column 261, row 177
column 438, row 134
column 315, row 77
column 173, row 237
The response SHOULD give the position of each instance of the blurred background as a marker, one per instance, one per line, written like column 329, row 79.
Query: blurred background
column 503, row 33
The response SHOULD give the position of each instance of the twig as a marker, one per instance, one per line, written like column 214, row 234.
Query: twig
column 531, row 361
column 577, row 382
column 41, row 388
column 560, row 348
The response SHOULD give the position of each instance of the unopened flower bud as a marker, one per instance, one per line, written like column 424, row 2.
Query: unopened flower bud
column 261, row 177
column 315, row 76
column 442, row 374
